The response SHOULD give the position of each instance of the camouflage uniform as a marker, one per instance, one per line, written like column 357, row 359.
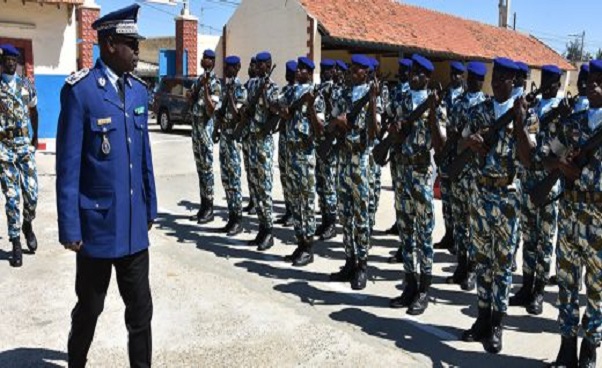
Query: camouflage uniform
column 326, row 172
column 202, row 132
column 375, row 169
column 286, row 94
column 245, row 145
column 414, row 187
column 538, row 224
column 261, row 152
column 461, row 188
column 580, row 231
column 229, row 150
column 353, row 171
column 17, row 155
column 301, row 159
column 494, row 209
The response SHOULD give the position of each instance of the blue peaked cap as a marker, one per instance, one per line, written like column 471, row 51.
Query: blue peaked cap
column 122, row 22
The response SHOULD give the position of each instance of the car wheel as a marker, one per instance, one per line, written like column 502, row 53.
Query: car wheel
column 164, row 121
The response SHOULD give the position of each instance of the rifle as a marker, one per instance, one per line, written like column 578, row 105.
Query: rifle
column 539, row 193
column 251, row 108
column 227, row 106
column 457, row 165
column 325, row 146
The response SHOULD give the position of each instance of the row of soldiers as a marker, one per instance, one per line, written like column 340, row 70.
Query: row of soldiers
column 492, row 152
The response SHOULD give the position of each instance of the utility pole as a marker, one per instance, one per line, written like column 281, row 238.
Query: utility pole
column 582, row 49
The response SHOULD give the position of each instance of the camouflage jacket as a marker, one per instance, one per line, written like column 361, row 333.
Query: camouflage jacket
column 262, row 112
column 15, row 102
column 300, row 128
column 215, row 92
column 239, row 94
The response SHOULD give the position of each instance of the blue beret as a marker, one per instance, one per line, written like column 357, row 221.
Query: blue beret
column 263, row 56
column 457, row 67
column 327, row 63
column 595, row 66
column 305, row 61
column 253, row 60
column 584, row 68
column 122, row 22
column 405, row 62
column 477, row 68
column 361, row 60
column 209, row 54
column 232, row 60
column 291, row 66
column 524, row 68
column 9, row 50
column 505, row 64
column 551, row 70
column 423, row 62
column 375, row 62
column 342, row 65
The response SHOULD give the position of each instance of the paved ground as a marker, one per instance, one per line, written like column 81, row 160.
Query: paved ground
column 220, row 303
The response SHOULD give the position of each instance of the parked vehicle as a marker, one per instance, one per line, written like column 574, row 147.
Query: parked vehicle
column 171, row 103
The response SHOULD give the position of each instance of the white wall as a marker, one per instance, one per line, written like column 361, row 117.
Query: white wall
column 53, row 36
column 277, row 26
column 206, row 42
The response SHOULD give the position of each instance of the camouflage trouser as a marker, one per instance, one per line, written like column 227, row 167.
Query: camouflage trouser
column 261, row 155
column 446, row 202
column 460, row 204
column 301, row 169
column 375, row 186
column 539, row 225
column 326, row 184
column 19, row 175
column 245, row 155
column 285, row 179
column 580, row 244
column 229, row 158
column 493, row 221
column 353, row 191
column 202, row 147
column 415, row 220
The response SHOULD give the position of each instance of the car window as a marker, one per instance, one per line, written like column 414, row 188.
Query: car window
column 187, row 86
column 176, row 88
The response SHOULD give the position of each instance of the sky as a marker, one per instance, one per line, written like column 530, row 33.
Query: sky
column 552, row 21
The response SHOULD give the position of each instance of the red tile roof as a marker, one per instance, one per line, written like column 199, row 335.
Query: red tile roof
column 413, row 28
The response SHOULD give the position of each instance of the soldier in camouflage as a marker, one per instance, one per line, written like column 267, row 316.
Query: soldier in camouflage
column 234, row 96
column 252, row 73
column 374, row 179
column 579, row 223
column 459, row 116
column 18, row 110
column 261, row 148
column 494, row 208
column 305, row 109
column 414, row 188
column 205, row 101
column 353, row 168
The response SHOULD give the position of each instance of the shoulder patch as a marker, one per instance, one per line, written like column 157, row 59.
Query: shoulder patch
column 139, row 79
column 76, row 77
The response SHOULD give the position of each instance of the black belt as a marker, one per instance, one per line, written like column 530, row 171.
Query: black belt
column 14, row 133
column 585, row 197
column 418, row 160
column 500, row 182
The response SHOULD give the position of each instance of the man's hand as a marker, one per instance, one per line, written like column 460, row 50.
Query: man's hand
column 568, row 167
column 309, row 97
column 477, row 144
column 340, row 122
column 34, row 142
column 520, row 112
column 74, row 246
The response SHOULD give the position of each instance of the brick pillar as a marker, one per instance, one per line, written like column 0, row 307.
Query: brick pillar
column 86, row 15
column 186, row 39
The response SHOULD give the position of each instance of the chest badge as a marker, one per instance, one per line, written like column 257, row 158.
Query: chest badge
column 104, row 121
column 106, row 145
column 102, row 82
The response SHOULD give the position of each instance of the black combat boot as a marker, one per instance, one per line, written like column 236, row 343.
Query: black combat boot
column 494, row 343
column 260, row 235
column 461, row 270
column 587, row 354
column 30, row 236
column 397, row 258
column 421, row 301
column 409, row 293
column 330, row 230
column 470, row 281
column 17, row 256
column 536, row 305
column 481, row 329
column 567, row 354
column 392, row 230
column 525, row 295
column 320, row 229
column 346, row 273
column 360, row 276
column 250, row 209
column 265, row 242
column 233, row 227
column 447, row 242
column 305, row 255
column 284, row 218
column 207, row 213
column 197, row 216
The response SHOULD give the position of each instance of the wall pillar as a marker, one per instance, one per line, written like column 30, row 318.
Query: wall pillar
column 186, row 40
column 86, row 15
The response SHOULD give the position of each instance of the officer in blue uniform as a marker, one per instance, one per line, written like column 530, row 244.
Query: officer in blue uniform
column 106, row 198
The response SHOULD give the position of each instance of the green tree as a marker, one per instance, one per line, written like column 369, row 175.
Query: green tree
column 573, row 50
column 599, row 54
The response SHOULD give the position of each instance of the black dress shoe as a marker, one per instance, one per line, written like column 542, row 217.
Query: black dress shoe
column 266, row 242
column 30, row 237
column 17, row 253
